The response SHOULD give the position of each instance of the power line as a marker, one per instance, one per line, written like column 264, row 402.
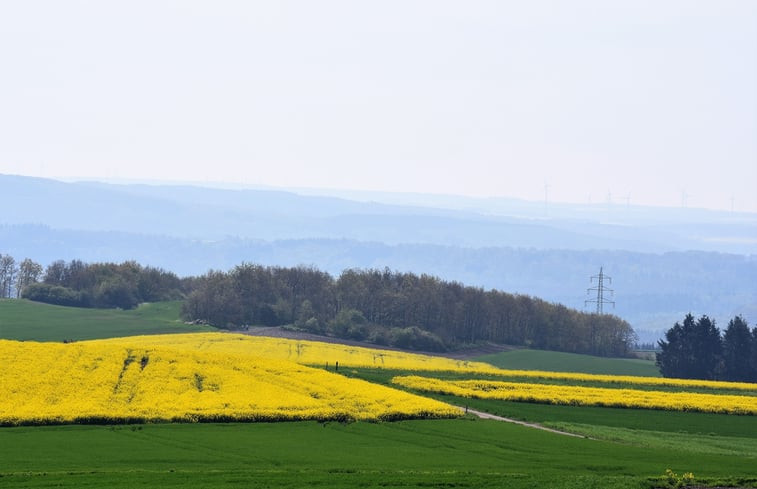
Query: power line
column 600, row 289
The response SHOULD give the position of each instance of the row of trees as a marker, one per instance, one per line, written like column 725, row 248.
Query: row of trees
column 80, row 284
column 697, row 350
column 388, row 307
column 123, row 285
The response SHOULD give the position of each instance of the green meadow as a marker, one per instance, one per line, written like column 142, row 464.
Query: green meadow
column 27, row 320
column 554, row 361
column 617, row 448
column 441, row 453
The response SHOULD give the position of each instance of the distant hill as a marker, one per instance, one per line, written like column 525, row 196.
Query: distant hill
column 515, row 246
column 211, row 214
column 652, row 291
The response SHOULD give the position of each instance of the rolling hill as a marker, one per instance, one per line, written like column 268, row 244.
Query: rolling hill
column 26, row 320
column 665, row 262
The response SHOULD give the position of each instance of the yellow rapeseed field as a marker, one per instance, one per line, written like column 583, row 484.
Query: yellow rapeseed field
column 222, row 376
column 320, row 354
column 628, row 379
column 99, row 381
column 302, row 351
column 584, row 396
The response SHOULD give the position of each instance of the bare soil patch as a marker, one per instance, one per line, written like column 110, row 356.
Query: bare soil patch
column 461, row 354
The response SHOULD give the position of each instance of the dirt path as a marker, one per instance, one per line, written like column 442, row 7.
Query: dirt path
column 279, row 332
column 484, row 415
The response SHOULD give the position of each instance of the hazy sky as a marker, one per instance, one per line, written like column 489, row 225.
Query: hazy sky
column 656, row 100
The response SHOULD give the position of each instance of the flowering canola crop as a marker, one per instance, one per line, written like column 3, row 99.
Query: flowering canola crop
column 104, row 382
column 222, row 376
column 584, row 396
column 302, row 351
column 320, row 354
column 628, row 379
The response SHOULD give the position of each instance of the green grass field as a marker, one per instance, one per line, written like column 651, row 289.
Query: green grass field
column 675, row 432
column 444, row 453
column 630, row 447
column 570, row 362
column 643, row 419
column 27, row 320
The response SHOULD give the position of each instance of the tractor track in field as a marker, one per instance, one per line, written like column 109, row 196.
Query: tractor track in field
column 494, row 417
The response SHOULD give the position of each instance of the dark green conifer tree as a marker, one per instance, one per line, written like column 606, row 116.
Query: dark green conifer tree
column 737, row 351
column 692, row 350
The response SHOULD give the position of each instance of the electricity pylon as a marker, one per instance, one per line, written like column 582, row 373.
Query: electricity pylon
column 600, row 289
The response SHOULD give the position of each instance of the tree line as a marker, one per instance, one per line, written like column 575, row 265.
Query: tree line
column 398, row 309
column 106, row 285
column 389, row 308
column 696, row 349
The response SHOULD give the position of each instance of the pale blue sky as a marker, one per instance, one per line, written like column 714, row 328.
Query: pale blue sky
column 652, row 99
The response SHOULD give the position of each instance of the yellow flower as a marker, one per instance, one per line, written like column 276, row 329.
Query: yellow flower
column 584, row 396
column 115, row 381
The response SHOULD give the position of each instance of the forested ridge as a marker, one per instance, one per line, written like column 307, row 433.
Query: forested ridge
column 655, row 290
column 399, row 309
column 384, row 307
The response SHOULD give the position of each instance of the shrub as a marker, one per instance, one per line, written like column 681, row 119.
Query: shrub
column 349, row 323
column 53, row 294
column 415, row 338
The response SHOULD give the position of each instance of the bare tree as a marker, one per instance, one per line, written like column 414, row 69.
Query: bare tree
column 8, row 270
column 29, row 272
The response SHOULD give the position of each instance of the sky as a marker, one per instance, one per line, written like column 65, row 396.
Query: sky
column 640, row 102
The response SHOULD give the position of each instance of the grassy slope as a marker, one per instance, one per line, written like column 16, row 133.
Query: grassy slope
column 458, row 453
column 452, row 453
column 680, row 433
column 27, row 320
column 662, row 421
column 570, row 362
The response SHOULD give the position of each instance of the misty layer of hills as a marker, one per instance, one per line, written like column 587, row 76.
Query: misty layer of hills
column 664, row 262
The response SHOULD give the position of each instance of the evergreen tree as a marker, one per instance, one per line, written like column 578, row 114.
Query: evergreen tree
column 707, row 350
column 737, row 350
column 753, row 356
column 671, row 357
column 692, row 350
